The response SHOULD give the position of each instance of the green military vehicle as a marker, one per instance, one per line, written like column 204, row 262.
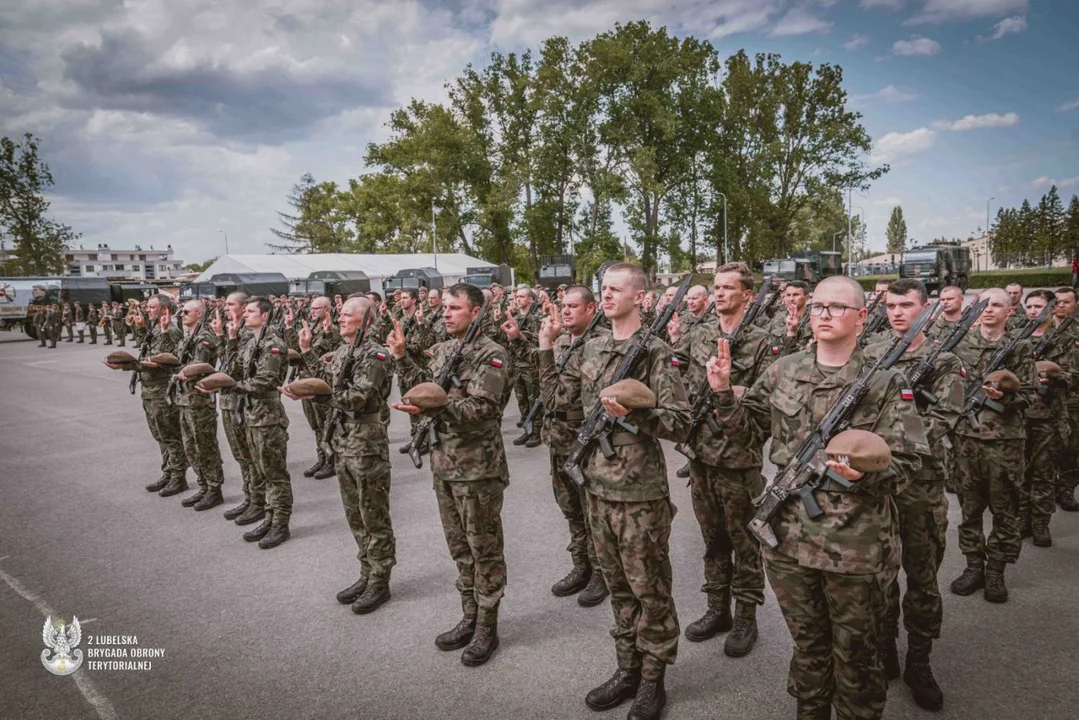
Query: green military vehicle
column 937, row 266
column 810, row 267
column 557, row 270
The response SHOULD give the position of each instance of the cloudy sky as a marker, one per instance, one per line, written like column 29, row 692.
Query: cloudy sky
column 165, row 121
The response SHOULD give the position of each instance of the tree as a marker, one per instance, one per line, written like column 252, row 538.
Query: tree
column 39, row 241
column 317, row 226
column 200, row 267
column 1071, row 229
column 896, row 232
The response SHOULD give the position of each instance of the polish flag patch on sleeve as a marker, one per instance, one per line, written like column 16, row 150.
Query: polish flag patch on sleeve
column 496, row 362
column 275, row 351
column 962, row 371
column 380, row 355
column 775, row 349
column 674, row 362
column 907, row 394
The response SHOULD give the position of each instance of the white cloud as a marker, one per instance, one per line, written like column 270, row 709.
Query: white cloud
column 938, row 11
column 856, row 41
column 1047, row 182
column 1069, row 106
column 799, row 21
column 1007, row 26
column 888, row 93
column 888, row 202
column 917, row 45
column 897, row 146
column 890, row 4
column 978, row 122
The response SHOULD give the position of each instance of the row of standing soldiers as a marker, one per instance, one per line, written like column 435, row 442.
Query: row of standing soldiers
column 51, row 321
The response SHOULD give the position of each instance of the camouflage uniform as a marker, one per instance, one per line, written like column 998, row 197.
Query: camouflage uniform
column 629, row 506
column 470, row 471
column 106, row 327
column 436, row 324
column 417, row 340
column 363, row 459
column 39, row 324
column 991, row 460
column 830, row 574
column 725, row 477
column 264, row 418
column 66, row 319
column 563, row 419
column 92, row 317
column 1048, row 432
column 162, row 417
column 322, row 342
column 923, row 506
column 789, row 346
column 79, row 315
column 119, row 327
column 52, row 326
column 1068, row 477
column 198, row 415
column 523, row 351
column 228, row 401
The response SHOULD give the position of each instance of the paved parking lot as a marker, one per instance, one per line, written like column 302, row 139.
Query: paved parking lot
column 257, row 634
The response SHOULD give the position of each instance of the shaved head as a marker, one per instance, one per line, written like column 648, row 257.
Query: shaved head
column 849, row 285
column 997, row 294
column 194, row 306
column 357, row 305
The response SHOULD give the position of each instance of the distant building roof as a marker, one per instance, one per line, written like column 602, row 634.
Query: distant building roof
column 296, row 267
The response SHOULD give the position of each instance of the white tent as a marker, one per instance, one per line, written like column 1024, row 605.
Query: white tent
column 453, row 266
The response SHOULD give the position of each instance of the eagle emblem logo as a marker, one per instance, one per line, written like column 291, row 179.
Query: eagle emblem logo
column 61, row 641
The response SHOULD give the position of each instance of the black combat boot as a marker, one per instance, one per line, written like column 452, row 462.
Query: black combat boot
column 919, row 676
column 995, row 589
column 1042, row 538
column 573, row 583
column 108, row 342
column 259, row 532
column 353, row 591
column 621, row 687
column 521, row 440
column 971, row 581
column 1025, row 529
column 158, row 485
column 649, row 701
column 252, row 514
column 890, row 653
column 313, row 469
column 1066, row 501
column 683, row 472
column 176, row 486
column 191, row 500
column 716, row 620
column 534, row 441
column 278, row 534
column 327, row 470
column 374, row 596
column 814, row 710
column 483, row 645
column 210, row 499
column 233, row 513
column 521, row 422
column 595, row 592
column 459, row 636
column 744, row 633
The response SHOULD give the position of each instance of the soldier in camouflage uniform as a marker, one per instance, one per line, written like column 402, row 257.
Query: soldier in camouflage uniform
column 830, row 574
column 360, row 375
column 79, row 316
column 52, row 325
column 990, row 456
column 922, row 506
column 725, row 477
column 433, row 317
column 629, row 506
column 92, row 318
column 1018, row 316
column 559, row 431
column 469, row 469
column 788, row 328
column 259, row 368
column 119, row 328
column 161, row 336
column 417, row 340
column 106, row 327
column 67, row 319
column 682, row 324
column 40, row 311
column 522, row 348
column 1047, row 434
column 1068, row 476
column 324, row 339
column 198, row 415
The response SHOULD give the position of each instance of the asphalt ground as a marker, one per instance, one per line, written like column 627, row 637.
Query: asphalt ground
column 248, row 633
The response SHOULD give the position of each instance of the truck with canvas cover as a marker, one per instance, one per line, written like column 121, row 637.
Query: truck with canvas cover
column 484, row 277
column 937, row 266
column 332, row 282
column 557, row 270
column 426, row 277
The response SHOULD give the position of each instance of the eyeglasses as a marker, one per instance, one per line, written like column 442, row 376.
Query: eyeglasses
column 835, row 310
column 182, row 312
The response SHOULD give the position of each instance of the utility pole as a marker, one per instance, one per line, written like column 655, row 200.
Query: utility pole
column 987, row 218
column 850, row 228
column 726, row 248
column 434, row 237
column 226, row 240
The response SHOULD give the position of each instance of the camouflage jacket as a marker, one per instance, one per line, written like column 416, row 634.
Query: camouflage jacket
column 65, row 315
column 92, row 315
column 155, row 381
column 322, row 342
column 638, row 471
column 859, row 531
column 1048, row 400
column 436, row 324
column 975, row 351
column 470, row 426
column 789, row 346
column 200, row 347
column 523, row 348
column 417, row 339
column 940, row 328
column 361, row 397
column 756, row 353
column 946, row 384
column 259, row 369
column 228, row 399
column 80, row 314
column 563, row 415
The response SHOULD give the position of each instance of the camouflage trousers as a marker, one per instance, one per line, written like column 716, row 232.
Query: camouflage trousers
column 572, row 502
column 70, row 331
column 364, row 482
column 923, row 531
column 1068, row 477
column 241, row 453
column 107, row 329
column 723, row 503
column 836, row 622
column 198, row 427
column 164, row 422
column 471, row 514
column 316, row 414
column 93, row 333
column 120, row 330
column 990, row 475
column 632, row 547
column 1037, row 494
column 527, row 389
column 269, row 451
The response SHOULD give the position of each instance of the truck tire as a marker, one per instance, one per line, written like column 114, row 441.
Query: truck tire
column 29, row 329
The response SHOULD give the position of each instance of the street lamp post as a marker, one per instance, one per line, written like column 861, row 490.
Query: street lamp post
column 226, row 240
column 834, row 236
column 726, row 249
column 850, row 221
column 987, row 216
column 434, row 237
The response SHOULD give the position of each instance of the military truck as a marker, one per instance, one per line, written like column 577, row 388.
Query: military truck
column 937, row 266
column 17, row 295
column 810, row 267
column 122, row 292
column 487, row 275
column 332, row 282
column 426, row 277
column 557, row 270
column 223, row 284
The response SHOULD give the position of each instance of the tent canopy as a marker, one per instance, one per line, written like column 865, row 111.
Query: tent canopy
column 453, row 266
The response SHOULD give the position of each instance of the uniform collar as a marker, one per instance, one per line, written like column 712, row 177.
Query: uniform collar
column 808, row 371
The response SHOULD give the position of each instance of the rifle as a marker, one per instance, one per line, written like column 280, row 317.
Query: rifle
column 416, row 448
column 599, row 425
column 343, row 381
column 144, row 350
column 768, row 301
column 1049, row 338
column 976, row 399
column 252, row 368
column 874, row 320
column 923, row 370
column 702, row 400
column 806, row 471
column 560, row 365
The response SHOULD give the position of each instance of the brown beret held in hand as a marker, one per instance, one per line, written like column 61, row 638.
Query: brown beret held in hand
column 196, row 370
column 309, row 386
column 862, row 450
column 630, row 394
column 1003, row 380
column 121, row 357
column 165, row 359
column 217, row 381
column 426, row 395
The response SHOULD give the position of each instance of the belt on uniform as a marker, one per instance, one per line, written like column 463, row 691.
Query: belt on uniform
column 622, row 438
column 569, row 416
column 361, row 419
column 268, row 395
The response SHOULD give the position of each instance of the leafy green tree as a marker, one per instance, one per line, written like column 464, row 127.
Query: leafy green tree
column 1071, row 229
column 199, row 267
column 315, row 223
column 896, row 231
